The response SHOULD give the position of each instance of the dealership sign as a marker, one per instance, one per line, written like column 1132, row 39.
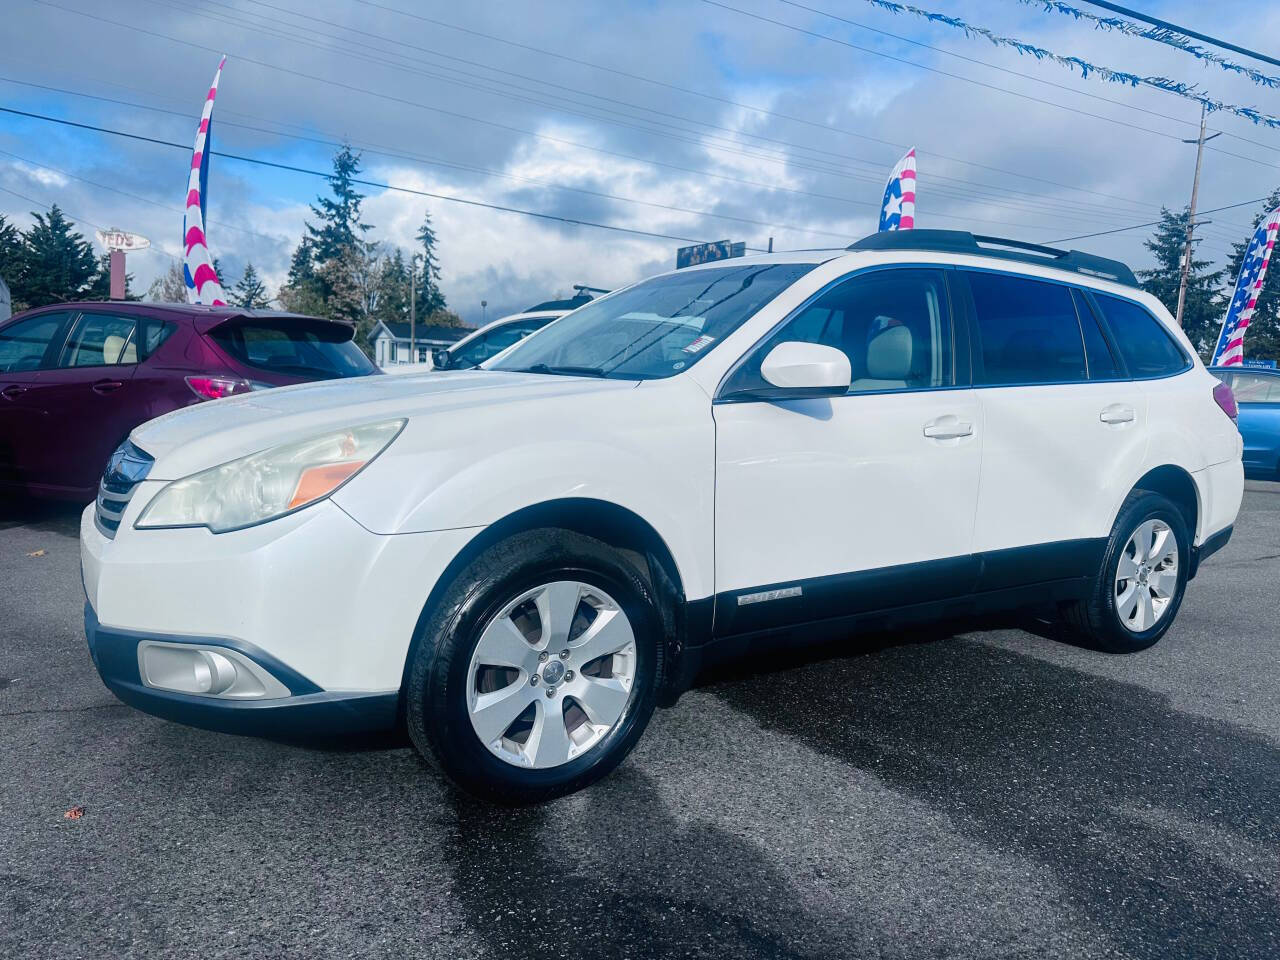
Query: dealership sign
column 119, row 240
column 706, row 252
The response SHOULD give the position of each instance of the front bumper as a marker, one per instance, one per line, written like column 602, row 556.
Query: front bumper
column 320, row 608
column 307, row 710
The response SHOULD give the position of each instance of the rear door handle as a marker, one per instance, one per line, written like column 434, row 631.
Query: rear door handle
column 948, row 427
column 1118, row 413
column 13, row 391
column 106, row 386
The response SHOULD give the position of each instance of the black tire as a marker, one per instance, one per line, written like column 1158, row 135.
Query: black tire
column 436, row 711
column 1095, row 620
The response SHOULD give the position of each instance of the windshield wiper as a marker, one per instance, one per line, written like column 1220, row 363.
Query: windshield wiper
column 558, row 370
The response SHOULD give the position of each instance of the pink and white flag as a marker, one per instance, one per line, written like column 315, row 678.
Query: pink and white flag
column 203, row 285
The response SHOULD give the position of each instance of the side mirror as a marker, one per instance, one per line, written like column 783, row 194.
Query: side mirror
column 798, row 370
column 440, row 359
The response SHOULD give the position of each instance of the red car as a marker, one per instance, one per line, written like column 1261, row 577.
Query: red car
column 76, row 378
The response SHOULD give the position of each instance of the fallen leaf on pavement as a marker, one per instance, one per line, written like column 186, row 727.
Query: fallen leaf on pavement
column 75, row 813
column 36, row 553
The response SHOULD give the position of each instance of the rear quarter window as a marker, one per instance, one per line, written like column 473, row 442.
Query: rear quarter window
column 1148, row 349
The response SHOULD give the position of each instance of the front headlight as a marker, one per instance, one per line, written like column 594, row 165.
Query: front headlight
column 269, row 484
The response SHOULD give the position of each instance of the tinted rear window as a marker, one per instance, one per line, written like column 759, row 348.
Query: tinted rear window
column 1027, row 330
column 322, row 351
column 1147, row 348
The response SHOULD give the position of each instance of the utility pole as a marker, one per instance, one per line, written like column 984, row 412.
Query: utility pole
column 1199, row 141
column 413, row 309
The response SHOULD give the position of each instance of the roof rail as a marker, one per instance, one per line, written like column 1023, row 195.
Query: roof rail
column 961, row 241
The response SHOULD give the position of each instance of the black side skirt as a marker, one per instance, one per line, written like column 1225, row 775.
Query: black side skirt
column 934, row 588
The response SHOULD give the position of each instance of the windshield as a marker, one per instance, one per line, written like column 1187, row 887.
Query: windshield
column 656, row 328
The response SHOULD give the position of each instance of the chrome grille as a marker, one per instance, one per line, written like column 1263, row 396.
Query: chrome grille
column 127, row 468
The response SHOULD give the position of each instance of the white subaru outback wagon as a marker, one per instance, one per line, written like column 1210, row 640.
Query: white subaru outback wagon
column 521, row 561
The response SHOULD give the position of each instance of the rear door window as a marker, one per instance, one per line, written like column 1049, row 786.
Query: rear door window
column 293, row 348
column 1148, row 349
column 1102, row 362
column 23, row 344
column 1255, row 388
column 101, row 340
column 1027, row 331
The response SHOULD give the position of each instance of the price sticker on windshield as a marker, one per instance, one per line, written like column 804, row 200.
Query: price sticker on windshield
column 701, row 343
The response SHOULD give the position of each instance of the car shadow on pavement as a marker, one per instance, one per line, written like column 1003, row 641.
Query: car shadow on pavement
column 52, row 516
column 614, row 873
column 1161, row 828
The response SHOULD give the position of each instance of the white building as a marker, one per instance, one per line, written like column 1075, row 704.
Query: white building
column 391, row 341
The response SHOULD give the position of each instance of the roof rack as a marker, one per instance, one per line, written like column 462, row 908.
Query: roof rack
column 961, row 241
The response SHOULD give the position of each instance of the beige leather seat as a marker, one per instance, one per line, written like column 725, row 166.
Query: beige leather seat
column 889, row 356
column 115, row 350
column 111, row 349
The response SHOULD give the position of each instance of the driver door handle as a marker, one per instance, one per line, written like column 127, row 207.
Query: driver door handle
column 13, row 391
column 1118, row 413
column 106, row 386
column 948, row 427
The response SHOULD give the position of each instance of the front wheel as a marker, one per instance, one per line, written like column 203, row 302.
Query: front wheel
column 1139, row 589
column 537, row 671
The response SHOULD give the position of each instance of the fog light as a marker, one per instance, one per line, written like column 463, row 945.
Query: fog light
column 204, row 671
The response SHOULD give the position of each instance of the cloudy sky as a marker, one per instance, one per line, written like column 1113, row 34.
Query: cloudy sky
column 687, row 118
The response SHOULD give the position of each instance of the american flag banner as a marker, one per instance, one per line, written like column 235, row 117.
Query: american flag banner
column 1253, row 273
column 898, row 208
column 203, row 285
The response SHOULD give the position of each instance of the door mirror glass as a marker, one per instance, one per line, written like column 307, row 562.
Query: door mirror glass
column 807, row 370
column 440, row 359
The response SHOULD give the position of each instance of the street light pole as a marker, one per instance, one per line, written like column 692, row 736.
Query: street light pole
column 1199, row 141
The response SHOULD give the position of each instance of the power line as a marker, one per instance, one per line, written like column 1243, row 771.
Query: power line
column 1185, row 31
column 337, row 143
column 735, row 103
column 508, row 127
column 292, row 168
column 956, row 76
column 74, row 219
column 1060, row 208
column 1139, row 226
column 133, row 196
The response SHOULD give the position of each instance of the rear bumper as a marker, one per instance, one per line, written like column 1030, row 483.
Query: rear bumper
column 306, row 711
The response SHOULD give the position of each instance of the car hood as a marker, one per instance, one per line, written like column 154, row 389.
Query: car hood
column 207, row 434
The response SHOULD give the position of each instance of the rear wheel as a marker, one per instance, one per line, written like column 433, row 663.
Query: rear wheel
column 1138, row 591
column 537, row 671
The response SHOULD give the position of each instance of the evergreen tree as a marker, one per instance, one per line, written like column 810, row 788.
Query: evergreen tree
column 1262, row 341
column 56, row 264
column 340, row 229
column 1202, row 310
column 10, row 251
column 430, row 298
column 392, row 305
column 250, row 292
column 301, row 292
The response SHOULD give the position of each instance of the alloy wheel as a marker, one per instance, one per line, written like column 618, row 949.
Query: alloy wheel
column 1146, row 576
column 552, row 674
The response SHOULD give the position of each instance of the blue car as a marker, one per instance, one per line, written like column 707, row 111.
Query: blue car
column 1257, row 393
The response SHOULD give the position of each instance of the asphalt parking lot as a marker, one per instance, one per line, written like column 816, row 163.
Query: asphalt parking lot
column 977, row 791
